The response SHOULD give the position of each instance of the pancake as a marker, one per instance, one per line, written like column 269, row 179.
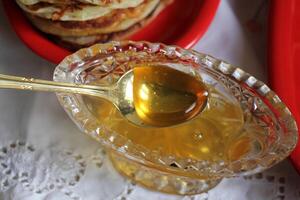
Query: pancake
column 74, row 24
column 77, row 42
column 69, row 2
column 75, row 11
column 118, row 20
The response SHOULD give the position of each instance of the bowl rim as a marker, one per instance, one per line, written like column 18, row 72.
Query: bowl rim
column 203, row 168
column 52, row 52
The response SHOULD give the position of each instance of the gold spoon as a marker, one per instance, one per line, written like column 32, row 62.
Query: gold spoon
column 147, row 96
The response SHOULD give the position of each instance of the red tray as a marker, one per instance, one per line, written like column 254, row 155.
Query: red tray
column 183, row 23
column 284, row 57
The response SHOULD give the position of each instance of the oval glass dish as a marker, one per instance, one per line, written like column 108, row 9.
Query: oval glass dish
column 263, row 134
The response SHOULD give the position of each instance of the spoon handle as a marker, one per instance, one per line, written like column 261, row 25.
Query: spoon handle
column 22, row 83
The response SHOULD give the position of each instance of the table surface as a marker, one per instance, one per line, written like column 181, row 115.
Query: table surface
column 44, row 156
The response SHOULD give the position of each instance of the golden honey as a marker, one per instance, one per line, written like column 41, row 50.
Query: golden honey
column 164, row 96
column 214, row 134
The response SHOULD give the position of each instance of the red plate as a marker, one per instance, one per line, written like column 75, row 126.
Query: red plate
column 284, row 58
column 182, row 23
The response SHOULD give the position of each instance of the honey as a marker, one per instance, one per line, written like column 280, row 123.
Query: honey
column 164, row 96
column 208, row 135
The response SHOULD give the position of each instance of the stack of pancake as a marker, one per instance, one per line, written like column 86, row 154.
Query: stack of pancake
column 80, row 23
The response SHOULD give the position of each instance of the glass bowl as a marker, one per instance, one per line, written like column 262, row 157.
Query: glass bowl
column 268, row 129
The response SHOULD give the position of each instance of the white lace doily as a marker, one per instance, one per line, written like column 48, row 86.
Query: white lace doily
column 44, row 156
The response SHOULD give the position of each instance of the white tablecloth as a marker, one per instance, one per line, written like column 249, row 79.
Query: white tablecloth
column 44, row 156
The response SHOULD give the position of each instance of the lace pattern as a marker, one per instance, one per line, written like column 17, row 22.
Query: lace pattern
column 58, row 173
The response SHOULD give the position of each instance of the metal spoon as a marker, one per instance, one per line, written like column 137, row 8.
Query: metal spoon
column 120, row 94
